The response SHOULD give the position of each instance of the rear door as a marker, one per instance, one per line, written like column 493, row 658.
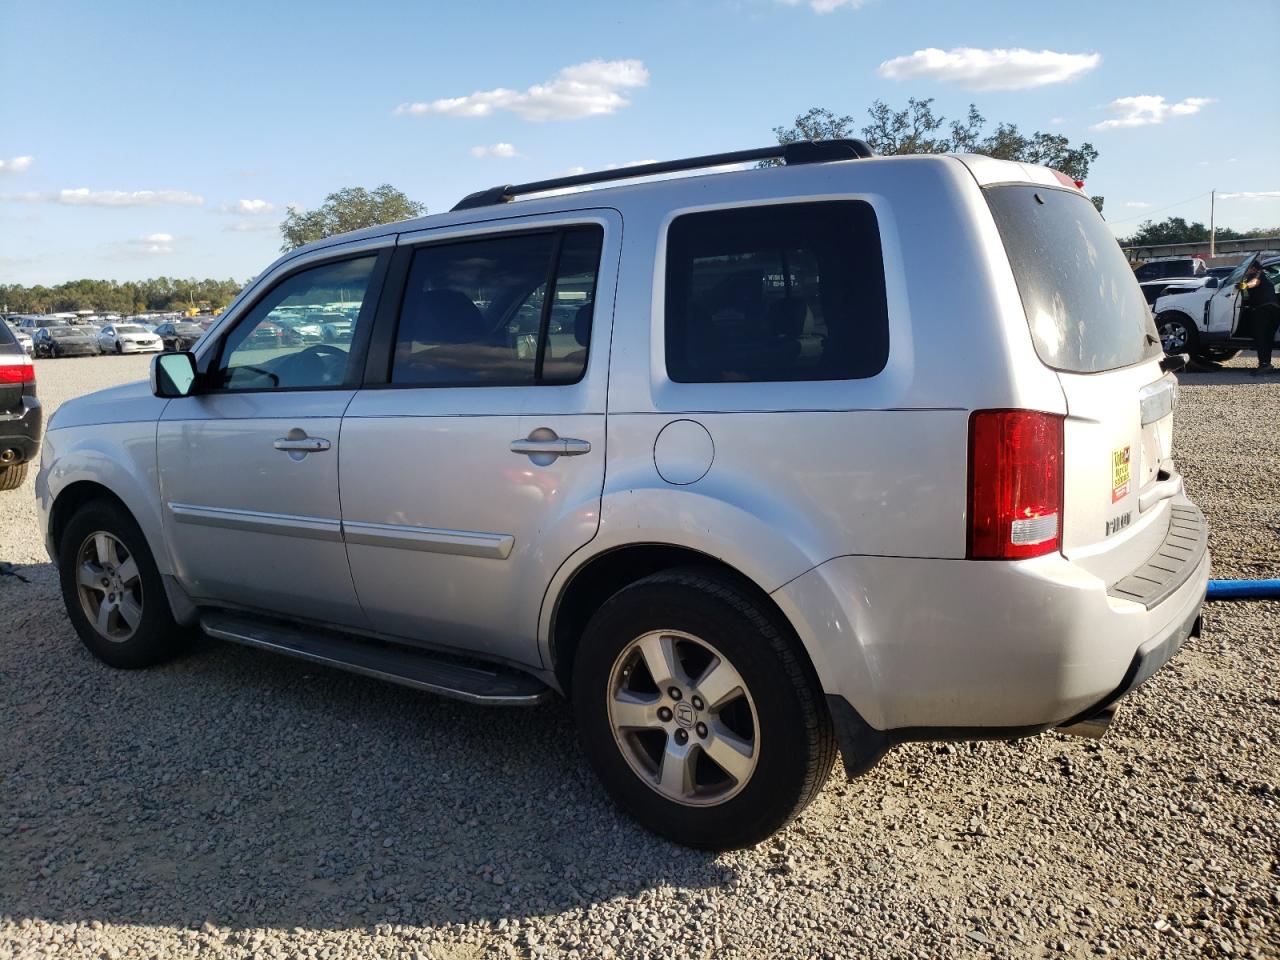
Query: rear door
column 472, row 460
column 1090, row 323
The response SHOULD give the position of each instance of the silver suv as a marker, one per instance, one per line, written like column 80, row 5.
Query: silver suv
column 847, row 451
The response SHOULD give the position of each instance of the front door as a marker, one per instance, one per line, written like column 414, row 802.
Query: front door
column 476, row 469
column 249, row 465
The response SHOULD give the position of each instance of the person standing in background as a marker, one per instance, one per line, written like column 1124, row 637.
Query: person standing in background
column 1264, row 314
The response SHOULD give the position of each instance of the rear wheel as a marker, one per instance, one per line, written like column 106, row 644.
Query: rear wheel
column 1177, row 333
column 698, row 711
column 112, row 588
column 11, row 477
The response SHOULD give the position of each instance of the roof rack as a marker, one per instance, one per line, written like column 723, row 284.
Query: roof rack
column 804, row 151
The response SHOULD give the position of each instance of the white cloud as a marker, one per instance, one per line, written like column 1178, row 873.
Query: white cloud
column 151, row 244
column 16, row 165
column 83, row 196
column 1057, row 120
column 999, row 69
column 1145, row 110
column 583, row 90
column 252, row 226
column 1137, row 204
column 1251, row 195
column 247, row 207
column 825, row 6
column 497, row 150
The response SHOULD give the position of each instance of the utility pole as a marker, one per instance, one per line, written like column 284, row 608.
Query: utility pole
column 1213, row 196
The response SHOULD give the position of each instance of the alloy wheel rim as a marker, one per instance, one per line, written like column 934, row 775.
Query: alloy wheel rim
column 110, row 586
column 1172, row 336
column 683, row 718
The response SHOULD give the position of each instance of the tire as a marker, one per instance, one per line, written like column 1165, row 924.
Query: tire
column 1177, row 333
column 154, row 636
column 11, row 477
column 778, row 716
column 119, row 349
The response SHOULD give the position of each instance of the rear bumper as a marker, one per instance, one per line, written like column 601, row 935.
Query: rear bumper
column 917, row 649
column 20, row 432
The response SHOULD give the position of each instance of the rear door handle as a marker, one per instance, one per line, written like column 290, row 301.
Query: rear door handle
column 305, row 445
column 559, row 447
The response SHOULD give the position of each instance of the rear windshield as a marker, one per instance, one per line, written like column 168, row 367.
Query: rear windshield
column 1085, row 309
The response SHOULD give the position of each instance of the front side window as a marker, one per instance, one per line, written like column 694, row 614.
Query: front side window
column 477, row 313
column 277, row 347
column 776, row 293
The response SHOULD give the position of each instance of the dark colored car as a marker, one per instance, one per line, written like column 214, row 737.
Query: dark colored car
column 65, row 342
column 179, row 336
column 20, row 413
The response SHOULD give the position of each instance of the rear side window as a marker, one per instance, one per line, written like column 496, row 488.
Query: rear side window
column 1086, row 311
column 512, row 310
column 776, row 293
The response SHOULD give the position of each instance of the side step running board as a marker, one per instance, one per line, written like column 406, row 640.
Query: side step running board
column 473, row 682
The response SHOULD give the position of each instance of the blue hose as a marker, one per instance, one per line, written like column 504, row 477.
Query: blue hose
column 1244, row 590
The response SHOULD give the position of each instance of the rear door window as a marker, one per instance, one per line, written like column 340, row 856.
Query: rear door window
column 1086, row 311
column 776, row 293
column 477, row 313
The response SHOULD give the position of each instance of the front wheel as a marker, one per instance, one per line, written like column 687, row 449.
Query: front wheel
column 1177, row 333
column 699, row 712
column 112, row 588
column 119, row 349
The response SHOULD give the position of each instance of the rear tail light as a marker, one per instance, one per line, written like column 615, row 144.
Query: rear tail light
column 1015, row 484
column 24, row 372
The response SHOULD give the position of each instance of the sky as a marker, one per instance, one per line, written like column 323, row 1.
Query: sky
column 140, row 139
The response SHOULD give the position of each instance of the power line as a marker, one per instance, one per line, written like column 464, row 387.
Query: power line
column 1147, row 213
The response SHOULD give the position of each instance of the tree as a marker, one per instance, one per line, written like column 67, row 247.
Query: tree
column 917, row 129
column 351, row 208
column 1178, row 230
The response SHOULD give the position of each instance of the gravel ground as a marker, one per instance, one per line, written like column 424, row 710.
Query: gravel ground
column 235, row 804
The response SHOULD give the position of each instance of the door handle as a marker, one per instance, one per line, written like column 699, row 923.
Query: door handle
column 303, row 445
column 559, row 447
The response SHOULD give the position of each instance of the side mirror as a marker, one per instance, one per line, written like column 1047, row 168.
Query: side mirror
column 1211, row 283
column 173, row 374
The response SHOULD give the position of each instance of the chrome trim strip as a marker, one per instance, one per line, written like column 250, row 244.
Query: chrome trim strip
column 252, row 521
column 466, row 543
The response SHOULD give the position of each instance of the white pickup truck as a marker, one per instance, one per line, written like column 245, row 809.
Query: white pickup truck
column 1206, row 321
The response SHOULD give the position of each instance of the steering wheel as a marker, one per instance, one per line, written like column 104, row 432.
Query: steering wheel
column 329, row 360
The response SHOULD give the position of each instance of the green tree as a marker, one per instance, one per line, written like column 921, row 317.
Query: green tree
column 917, row 129
column 1178, row 230
column 351, row 208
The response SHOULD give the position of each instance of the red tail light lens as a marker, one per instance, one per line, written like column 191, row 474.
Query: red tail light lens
column 1015, row 484
column 24, row 372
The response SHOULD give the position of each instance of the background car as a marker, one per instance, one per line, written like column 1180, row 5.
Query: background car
column 65, row 341
column 128, row 338
column 179, row 336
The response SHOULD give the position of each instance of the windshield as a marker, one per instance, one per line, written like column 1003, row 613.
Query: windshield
column 132, row 329
column 188, row 328
column 66, row 333
column 1085, row 309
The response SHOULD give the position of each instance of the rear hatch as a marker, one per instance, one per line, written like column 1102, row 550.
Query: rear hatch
column 1090, row 323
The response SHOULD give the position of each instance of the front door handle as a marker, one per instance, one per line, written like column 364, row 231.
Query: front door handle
column 559, row 447
column 301, row 445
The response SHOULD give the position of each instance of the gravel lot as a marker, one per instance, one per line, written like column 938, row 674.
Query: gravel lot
column 235, row 804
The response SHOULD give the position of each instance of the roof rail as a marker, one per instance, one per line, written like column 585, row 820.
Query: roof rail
column 804, row 151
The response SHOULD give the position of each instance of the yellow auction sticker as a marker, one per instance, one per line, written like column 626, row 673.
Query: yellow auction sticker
column 1119, row 474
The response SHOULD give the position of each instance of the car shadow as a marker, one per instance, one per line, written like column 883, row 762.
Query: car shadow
column 234, row 787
